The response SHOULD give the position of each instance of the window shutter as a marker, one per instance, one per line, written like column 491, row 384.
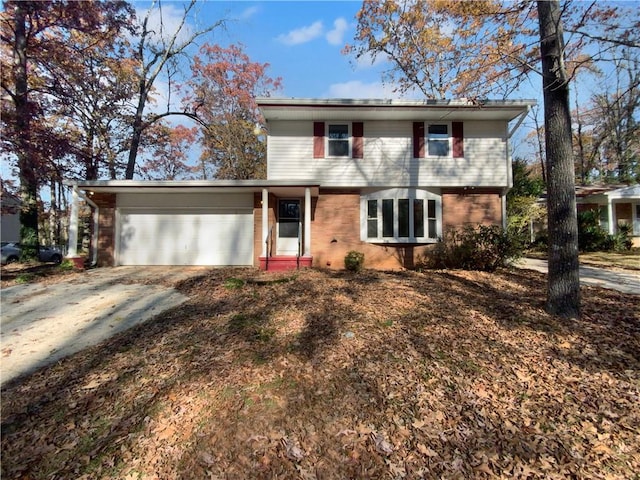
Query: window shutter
column 318, row 139
column 418, row 139
column 357, row 150
column 458, row 139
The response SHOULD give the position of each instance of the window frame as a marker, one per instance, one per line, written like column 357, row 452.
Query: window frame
column 449, row 139
column 398, row 195
column 349, row 139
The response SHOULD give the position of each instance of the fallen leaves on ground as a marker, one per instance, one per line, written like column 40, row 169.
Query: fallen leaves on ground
column 323, row 374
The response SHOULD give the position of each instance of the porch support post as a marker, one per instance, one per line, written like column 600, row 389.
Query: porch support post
column 612, row 221
column 265, row 220
column 307, row 221
column 72, row 251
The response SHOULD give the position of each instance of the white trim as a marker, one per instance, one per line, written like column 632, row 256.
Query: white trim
column 611, row 216
column 327, row 140
column 287, row 245
column 265, row 220
column 307, row 222
column 72, row 251
column 449, row 139
column 116, row 243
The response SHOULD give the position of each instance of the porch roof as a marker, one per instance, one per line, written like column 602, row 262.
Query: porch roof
column 604, row 193
column 277, row 187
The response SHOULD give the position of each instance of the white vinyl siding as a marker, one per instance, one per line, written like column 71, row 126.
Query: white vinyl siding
column 184, row 229
column 388, row 157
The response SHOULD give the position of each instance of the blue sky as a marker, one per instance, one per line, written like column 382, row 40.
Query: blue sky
column 302, row 41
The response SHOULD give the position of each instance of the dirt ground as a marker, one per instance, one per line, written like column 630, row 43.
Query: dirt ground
column 322, row 374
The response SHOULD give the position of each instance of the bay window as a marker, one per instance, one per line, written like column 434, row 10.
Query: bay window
column 401, row 216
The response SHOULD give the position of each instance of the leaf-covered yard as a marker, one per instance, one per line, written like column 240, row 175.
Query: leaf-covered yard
column 322, row 375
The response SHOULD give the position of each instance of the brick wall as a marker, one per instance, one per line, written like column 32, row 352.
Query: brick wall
column 335, row 226
column 335, row 231
column 106, row 228
column 462, row 207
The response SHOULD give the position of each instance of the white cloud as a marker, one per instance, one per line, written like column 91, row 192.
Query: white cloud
column 164, row 23
column 336, row 36
column 359, row 89
column 249, row 12
column 302, row 35
column 367, row 60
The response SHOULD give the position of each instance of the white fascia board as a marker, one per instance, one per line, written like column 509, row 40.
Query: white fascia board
column 185, row 186
column 377, row 109
column 630, row 192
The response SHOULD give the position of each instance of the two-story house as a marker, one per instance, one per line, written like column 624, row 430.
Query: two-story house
column 382, row 177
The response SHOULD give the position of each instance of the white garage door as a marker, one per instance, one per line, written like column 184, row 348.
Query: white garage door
column 222, row 236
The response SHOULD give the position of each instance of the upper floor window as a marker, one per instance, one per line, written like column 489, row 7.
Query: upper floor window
column 438, row 140
column 338, row 137
column 338, row 140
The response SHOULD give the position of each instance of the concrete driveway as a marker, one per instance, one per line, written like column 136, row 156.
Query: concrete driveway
column 625, row 282
column 41, row 324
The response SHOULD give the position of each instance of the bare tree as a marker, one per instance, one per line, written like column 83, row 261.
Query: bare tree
column 156, row 52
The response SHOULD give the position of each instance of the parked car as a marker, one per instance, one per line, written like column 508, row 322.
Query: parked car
column 11, row 253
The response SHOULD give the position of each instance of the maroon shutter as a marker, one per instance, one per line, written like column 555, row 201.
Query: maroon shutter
column 418, row 139
column 318, row 139
column 458, row 139
column 357, row 150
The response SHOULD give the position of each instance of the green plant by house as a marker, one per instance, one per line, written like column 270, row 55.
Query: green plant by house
column 484, row 248
column 522, row 206
column 354, row 261
column 233, row 283
column 593, row 238
column 66, row 266
column 25, row 278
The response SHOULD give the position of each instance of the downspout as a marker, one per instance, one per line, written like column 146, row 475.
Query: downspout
column 96, row 216
column 503, row 197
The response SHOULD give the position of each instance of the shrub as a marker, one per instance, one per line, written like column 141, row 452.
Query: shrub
column 354, row 261
column 66, row 266
column 484, row 248
column 591, row 236
column 622, row 240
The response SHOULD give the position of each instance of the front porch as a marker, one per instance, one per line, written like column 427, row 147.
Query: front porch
column 285, row 228
column 617, row 206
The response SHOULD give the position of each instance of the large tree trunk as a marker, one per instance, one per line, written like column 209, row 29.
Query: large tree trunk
column 563, row 295
column 28, row 182
column 133, row 149
column 137, row 131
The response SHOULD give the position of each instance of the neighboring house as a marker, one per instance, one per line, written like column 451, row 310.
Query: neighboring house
column 618, row 205
column 10, row 226
column 383, row 177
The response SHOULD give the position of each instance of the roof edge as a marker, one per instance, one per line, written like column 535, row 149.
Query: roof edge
column 189, row 183
column 389, row 102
